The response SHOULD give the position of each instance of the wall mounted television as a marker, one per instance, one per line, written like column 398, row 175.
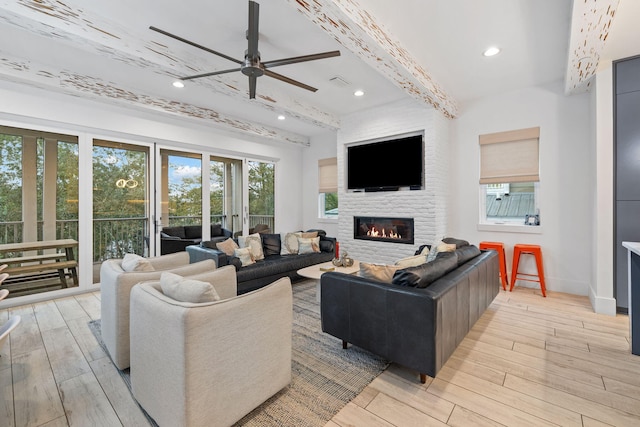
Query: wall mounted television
column 387, row 165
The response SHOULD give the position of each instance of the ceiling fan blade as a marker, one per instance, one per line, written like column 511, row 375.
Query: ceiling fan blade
column 252, row 32
column 252, row 87
column 288, row 80
column 304, row 58
column 213, row 73
column 183, row 40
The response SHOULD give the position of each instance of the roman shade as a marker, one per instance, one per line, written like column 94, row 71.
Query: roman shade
column 328, row 175
column 511, row 156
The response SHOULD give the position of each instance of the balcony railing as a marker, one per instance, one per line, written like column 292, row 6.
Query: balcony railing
column 115, row 237
column 262, row 219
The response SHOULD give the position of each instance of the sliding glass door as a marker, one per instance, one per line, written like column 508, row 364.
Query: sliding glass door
column 38, row 209
column 226, row 192
column 261, row 194
column 121, row 216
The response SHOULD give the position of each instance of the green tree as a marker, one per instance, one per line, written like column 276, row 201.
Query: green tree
column 185, row 190
column 261, row 188
column 216, row 197
column 119, row 183
column 10, row 178
column 330, row 201
column 120, row 195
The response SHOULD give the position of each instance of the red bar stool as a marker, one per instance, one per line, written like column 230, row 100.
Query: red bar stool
column 499, row 247
column 536, row 251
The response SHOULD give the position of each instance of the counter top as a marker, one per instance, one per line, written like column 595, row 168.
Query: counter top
column 632, row 246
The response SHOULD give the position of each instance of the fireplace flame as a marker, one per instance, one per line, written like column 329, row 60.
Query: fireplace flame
column 374, row 232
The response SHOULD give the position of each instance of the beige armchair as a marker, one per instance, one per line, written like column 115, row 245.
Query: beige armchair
column 115, row 287
column 209, row 364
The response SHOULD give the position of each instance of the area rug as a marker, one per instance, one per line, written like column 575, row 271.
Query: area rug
column 325, row 377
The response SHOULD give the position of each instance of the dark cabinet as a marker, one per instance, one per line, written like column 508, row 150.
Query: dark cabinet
column 627, row 168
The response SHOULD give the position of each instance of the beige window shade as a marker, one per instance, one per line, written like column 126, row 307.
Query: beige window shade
column 510, row 156
column 328, row 175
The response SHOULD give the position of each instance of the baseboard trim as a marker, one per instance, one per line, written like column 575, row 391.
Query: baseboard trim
column 602, row 305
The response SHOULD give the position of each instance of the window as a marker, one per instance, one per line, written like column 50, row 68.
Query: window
column 226, row 192
column 120, row 199
column 509, row 176
column 261, row 194
column 328, row 188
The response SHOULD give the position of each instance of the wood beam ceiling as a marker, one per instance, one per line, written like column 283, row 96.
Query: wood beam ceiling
column 354, row 28
column 590, row 24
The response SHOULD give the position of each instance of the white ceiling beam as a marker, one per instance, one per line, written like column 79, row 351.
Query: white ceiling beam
column 88, row 87
column 81, row 29
column 590, row 24
column 353, row 27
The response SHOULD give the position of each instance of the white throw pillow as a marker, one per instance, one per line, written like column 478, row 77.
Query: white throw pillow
column 133, row 262
column 187, row 290
column 308, row 245
column 379, row 272
column 289, row 245
column 245, row 256
column 254, row 243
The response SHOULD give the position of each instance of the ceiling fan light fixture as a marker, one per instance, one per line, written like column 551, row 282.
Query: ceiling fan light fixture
column 358, row 92
column 492, row 51
column 252, row 66
column 178, row 83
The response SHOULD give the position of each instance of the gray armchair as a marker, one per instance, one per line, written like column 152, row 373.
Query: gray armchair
column 209, row 364
column 115, row 287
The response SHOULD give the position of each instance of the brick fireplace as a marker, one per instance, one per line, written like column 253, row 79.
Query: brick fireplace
column 428, row 207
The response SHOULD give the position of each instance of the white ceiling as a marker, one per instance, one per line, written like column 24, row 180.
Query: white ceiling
column 105, row 51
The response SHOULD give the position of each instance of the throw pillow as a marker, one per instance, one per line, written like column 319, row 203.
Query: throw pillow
column 308, row 245
column 380, row 272
column 440, row 247
column 290, row 243
column 228, row 246
column 244, row 254
column 270, row 244
column 254, row 243
column 411, row 261
column 133, row 262
column 458, row 242
column 187, row 290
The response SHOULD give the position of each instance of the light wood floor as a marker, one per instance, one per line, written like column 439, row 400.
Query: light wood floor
column 528, row 361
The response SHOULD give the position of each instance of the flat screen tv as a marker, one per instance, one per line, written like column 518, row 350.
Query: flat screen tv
column 386, row 165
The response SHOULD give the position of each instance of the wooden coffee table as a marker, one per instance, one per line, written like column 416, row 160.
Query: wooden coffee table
column 316, row 271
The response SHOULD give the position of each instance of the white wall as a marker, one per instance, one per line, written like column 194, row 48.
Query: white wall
column 322, row 147
column 602, row 287
column 567, row 164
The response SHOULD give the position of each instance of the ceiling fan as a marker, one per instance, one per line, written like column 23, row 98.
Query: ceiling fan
column 252, row 66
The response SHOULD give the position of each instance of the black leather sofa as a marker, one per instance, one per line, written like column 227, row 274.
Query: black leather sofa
column 176, row 239
column 271, row 268
column 415, row 327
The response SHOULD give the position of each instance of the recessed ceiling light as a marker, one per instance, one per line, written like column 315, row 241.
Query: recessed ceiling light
column 358, row 93
column 491, row 51
column 178, row 83
column 281, row 117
